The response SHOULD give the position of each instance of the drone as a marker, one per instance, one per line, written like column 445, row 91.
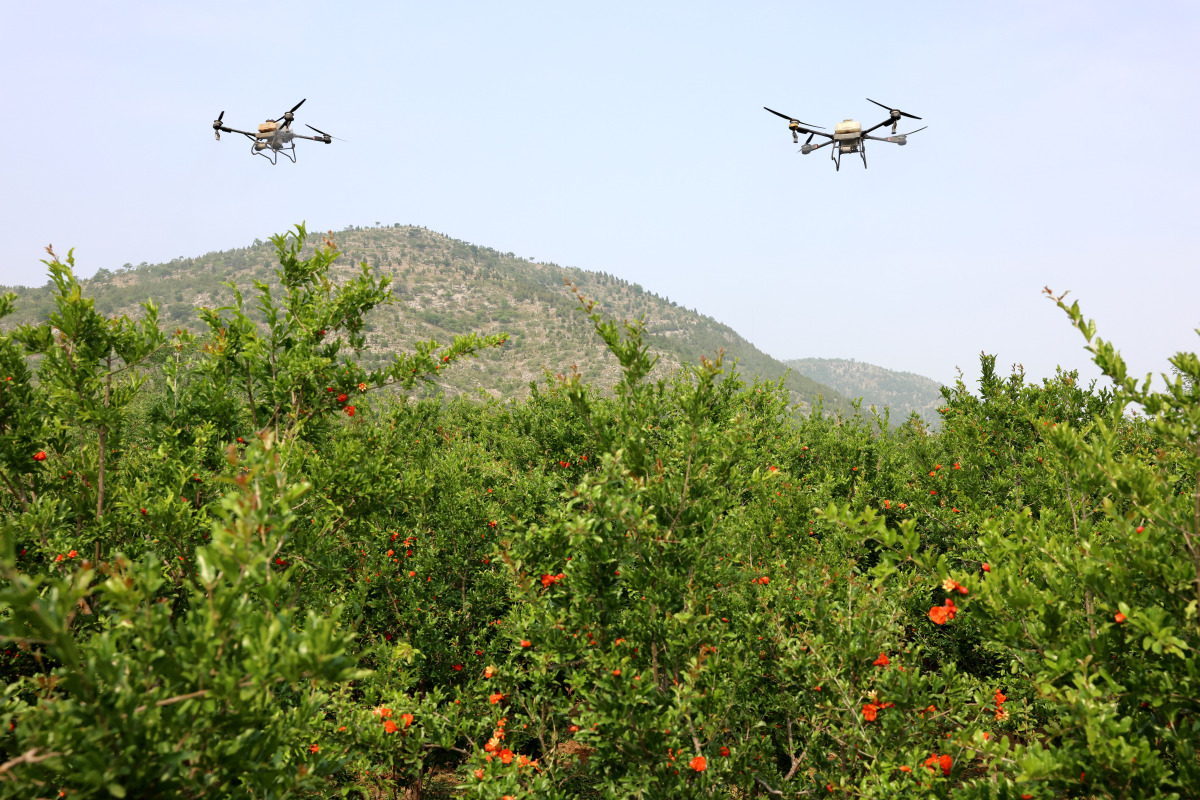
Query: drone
column 848, row 135
column 274, row 136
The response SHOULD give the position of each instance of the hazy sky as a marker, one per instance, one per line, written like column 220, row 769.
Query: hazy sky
column 630, row 138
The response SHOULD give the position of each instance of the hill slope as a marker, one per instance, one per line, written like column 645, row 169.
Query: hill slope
column 902, row 392
column 445, row 287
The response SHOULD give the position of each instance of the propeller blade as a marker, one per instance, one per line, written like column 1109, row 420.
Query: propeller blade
column 323, row 133
column 221, row 117
column 790, row 119
column 896, row 110
column 286, row 117
column 910, row 133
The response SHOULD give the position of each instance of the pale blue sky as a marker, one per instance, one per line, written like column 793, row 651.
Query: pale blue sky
column 630, row 138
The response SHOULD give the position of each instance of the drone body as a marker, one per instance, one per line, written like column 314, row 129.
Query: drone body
column 848, row 135
column 274, row 136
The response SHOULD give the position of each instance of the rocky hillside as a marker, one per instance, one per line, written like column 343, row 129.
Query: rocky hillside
column 902, row 392
column 445, row 287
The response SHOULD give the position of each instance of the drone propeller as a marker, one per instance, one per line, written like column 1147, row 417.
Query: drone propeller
column 288, row 116
column 217, row 125
column 790, row 119
column 323, row 133
column 894, row 111
column 910, row 133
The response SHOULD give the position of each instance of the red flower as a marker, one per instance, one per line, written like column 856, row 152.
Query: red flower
column 547, row 581
column 479, row 774
column 495, row 698
column 699, row 764
column 882, row 661
column 281, row 562
column 1000, row 698
column 526, row 643
column 1140, row 529
column 564, row 464
column 412, row 574
column 1119, row 617
column 724, row 751
column 870, row 711
column 492, row 524
column 390, row 726
column 342, row 398
column 774, row 469
column 329, row 388
column 616, row 673
column 313, row 748
column 764, row 580
column 987, row 567
column 241, row 440
column 58, row 557
column 40, row 455
column 956, row 466
column 938, row 614
column 407, row 719
column 143, row 511
column 72, row 554
column 349, row 410
column 506, row 756
column 457, row 668
column 945, row 762
column 478, row 652
column 906, row 769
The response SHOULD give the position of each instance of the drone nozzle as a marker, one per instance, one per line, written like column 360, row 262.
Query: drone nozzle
column 901, row 140
column 806, row 149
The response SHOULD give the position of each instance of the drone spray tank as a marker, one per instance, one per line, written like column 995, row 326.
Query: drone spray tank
column 846, row 133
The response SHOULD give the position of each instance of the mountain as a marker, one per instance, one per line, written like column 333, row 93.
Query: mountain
column 902, row 392
column 445, row 287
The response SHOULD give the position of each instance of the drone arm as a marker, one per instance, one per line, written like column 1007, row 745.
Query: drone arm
column 900, row 139
column 223, row 129
column 883, row 124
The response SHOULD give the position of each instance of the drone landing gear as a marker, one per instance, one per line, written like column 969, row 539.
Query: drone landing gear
column 289, row 152
column 863, row 152
column 835, row 155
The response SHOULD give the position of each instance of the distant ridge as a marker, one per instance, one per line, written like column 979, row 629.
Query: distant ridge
column 444, row 287
column 902, row 392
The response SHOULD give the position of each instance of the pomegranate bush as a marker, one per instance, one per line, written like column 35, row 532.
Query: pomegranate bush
column 240, row 563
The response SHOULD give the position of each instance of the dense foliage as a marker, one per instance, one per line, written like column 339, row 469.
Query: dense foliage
column 242, row 564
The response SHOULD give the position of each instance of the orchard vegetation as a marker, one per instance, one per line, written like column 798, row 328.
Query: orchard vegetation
column 240, row 563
